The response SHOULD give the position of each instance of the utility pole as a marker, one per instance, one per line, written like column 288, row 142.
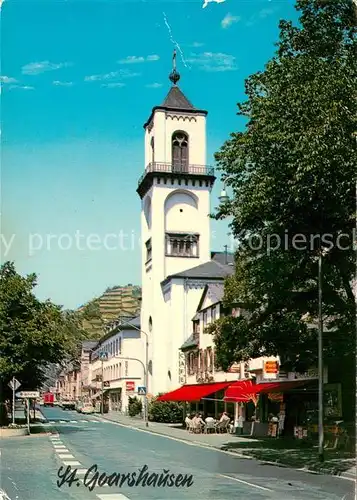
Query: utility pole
column 102, row 403
column 320, row 365
column 13, row 400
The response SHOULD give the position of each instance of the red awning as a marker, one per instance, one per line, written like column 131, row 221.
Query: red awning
column 241, row 392
column 246, row 390
column 193, row 392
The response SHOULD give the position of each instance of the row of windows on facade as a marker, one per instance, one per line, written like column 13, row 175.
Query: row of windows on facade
column 200, row 361
column 177, row 246
column 112, row 348
column 208, row 316
column 179, row 149
column 113, row 372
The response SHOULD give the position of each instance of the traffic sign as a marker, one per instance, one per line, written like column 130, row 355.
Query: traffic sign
column 103, row 356
column 142, row 391
column 106, row 383
column 28, row 394
column 14, row 384
column 130, row 386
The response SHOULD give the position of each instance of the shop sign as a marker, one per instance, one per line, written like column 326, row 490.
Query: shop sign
column 308, row 375
column 182, row 368
column 130, row 386
column 271, row 370
column 235, row 368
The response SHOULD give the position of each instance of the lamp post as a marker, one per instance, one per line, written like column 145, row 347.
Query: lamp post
column 146, row 368
column 320, row 364
column 223, row 197
column 145, row 382
column 103, row 356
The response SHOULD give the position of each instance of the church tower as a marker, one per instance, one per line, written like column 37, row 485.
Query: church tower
column 175, row 205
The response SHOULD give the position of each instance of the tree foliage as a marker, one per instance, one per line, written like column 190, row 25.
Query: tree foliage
column 293, row 175
column 33, row 334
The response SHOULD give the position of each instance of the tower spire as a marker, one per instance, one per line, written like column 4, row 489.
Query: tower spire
column 174, row 76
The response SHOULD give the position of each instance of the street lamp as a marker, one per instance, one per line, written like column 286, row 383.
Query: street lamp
column 146, row 417
column 224, row 198
column 146, row 368
column 322, row 253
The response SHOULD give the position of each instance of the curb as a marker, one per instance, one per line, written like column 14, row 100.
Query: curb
column 223, row 449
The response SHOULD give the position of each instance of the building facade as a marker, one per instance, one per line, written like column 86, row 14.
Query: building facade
column 175, row 227
column 122, row 371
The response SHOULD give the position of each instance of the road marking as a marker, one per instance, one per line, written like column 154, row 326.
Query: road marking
column 81, row 472
column 72, row 463
column 65, row 455
column 63, row 421
column 112, row 496
column 245, row 482
column 73, row 422
column 59, row 447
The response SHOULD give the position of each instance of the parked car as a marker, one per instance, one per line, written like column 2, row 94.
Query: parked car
column 87, row 409
column 68, row 405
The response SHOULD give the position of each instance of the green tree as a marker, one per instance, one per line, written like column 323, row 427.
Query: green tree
column 293, row 175
column 33, row 334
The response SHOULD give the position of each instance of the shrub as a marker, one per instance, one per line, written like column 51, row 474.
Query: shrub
column 135, row 406
column 169, row 412
column 4, row 419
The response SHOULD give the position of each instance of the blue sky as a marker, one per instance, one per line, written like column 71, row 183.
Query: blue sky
column 79, row 79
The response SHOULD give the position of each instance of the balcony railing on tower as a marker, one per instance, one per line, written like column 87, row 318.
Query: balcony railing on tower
column 181, row 168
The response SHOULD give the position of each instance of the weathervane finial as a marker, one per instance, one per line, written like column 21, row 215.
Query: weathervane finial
column 174, row 75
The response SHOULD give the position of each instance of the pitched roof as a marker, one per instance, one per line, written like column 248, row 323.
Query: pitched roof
column 190, row 342
column 211, row 269
column 215, row 291
column 177, row 100
column 223, row 257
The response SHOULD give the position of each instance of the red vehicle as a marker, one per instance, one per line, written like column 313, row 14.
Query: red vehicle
column 48, row 399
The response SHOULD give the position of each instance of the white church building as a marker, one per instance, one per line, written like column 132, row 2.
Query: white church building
column 177, row 262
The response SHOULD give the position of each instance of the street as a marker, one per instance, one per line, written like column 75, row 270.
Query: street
column 30, row 467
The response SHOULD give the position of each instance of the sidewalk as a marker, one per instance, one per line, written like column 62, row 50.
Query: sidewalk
column 21, row 419
column 176, row 431
column 267, row 450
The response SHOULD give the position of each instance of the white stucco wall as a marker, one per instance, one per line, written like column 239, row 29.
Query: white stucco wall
column 164, row 125
column 118, row 370
column 181, row 206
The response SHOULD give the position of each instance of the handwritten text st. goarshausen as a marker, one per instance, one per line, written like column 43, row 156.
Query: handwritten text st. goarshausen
column 143, row 477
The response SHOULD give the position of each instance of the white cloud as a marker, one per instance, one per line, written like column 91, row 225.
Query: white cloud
column 153, row 57
column 228, row 20
column 265, row 13
column 7, row 79
column 153, row 85
column 22, row 87
column 123, row 73
column 210, row 61
column 36, row 68
column 113, row 85
column 138, row 59
column 58, row 83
